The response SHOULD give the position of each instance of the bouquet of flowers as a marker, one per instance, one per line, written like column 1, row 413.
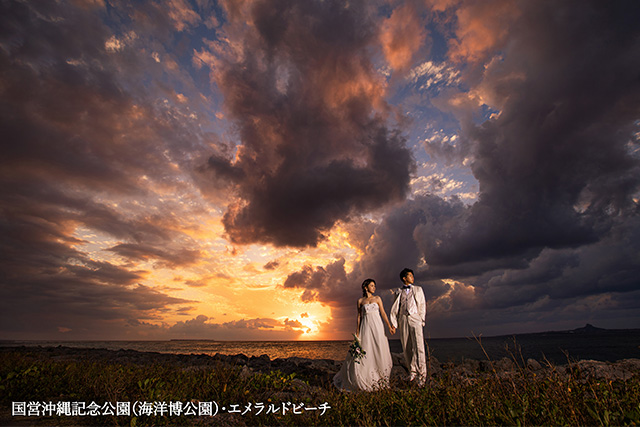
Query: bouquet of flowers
column 355, row 350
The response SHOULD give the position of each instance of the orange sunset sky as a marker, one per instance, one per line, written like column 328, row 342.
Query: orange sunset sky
column 235, row 169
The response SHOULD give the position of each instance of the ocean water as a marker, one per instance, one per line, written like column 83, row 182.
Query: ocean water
column 556, row 347
column 336, row 350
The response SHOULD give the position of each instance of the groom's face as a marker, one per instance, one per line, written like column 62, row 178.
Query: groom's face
column 408, row 279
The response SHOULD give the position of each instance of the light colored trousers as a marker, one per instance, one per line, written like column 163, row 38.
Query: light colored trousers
column 412, row 340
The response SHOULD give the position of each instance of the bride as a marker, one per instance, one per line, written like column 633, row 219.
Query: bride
column 373, row 370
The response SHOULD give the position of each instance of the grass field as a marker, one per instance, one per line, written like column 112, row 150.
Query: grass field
column 41, row 387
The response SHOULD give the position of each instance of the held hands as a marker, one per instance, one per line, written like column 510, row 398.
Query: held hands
column 392, row 330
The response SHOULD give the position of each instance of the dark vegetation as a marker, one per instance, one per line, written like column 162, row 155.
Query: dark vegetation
column 489, row 393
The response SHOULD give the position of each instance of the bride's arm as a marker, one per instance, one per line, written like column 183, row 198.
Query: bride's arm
column 383, row 314
column 359, row 319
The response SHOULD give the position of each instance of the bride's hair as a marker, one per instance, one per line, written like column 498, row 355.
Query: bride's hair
column 364, row 286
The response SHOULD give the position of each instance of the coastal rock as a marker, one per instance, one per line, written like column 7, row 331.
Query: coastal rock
column 398, row 373
column 469, row 366
column 632, row 365
column 533, row 365
column 261, row 362
column 433, row 366
column 398, row 359
column 236, row 359
column 505, row 364
column 606, row 370
column 486, row 366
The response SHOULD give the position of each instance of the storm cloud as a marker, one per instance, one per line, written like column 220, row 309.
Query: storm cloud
column 557, row 167
column 80, row 151
column 557, row 164
column 315, row 142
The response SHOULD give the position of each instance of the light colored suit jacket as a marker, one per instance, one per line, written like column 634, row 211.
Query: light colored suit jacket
column 421, row 304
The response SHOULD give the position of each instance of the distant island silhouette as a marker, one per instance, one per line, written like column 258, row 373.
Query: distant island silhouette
column 587, row 329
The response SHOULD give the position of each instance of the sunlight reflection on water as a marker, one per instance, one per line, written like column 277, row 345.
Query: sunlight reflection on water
column 556, row 347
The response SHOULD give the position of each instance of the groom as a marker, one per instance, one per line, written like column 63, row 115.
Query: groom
column 408, row 314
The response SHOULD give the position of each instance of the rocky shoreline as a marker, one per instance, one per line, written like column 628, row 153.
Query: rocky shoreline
column 321, row 371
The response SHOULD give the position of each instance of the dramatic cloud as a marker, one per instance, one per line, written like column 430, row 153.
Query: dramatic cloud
column 482, row 28
column 557, row 168
column 554, row 167
column 402, row 36
column 315, row 146
column 80, row 157
column 143, row 252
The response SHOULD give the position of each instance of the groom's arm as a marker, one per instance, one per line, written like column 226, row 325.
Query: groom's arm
column 422, row 306
column 393, row 313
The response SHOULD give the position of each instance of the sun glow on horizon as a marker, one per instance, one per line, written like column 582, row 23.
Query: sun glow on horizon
column 238, row 286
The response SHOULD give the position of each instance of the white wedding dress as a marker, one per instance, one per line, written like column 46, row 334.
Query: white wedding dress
column 374, row 368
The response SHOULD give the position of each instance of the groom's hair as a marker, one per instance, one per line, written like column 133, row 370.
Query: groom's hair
column 404, row 273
